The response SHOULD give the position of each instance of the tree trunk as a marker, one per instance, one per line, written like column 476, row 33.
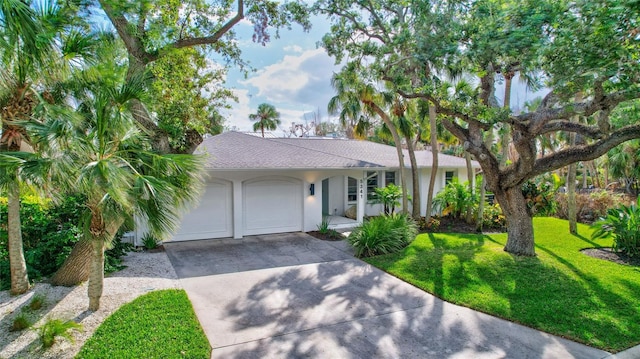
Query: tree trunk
column 571, row 199
column 415, row 209
column 519, row 221
column 506, row 135
column 434, row 161
column 398, row 142
column 18, row 266
column 96, row 275
column 571, row 182
column 483, row 194
column 75, row 268
column 470, row 176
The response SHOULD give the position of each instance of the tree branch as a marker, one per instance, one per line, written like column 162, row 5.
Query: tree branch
column 213, row 38
column 585, row 152
column 133, row 42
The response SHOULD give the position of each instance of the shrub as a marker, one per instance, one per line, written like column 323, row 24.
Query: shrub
column 540, row 197
column 623, row 223
column 590, row 206
column 455, row 199
column 53, row 328
column 382, row 235
column 492, row 217
column 149, row 241
column 49, row 233
column 20, row 322
column 428, row 224
column 37, row 302
column 323, row 227
column 389, row 197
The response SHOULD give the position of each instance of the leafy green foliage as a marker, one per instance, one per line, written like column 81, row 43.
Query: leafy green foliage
column 540, row 197
column 624, row 224
column 624, row 165
column 560, row 291
column 20, row 322
column 37, row 302
column 49, row 233
column 149, row 241
column 54, row 328
column 590, row 206
column 383, row 234
column 493, row 218
column 389, row 196
column 429, row 224
column 323, row 227
column 187, row 95
column 159, row 324
column 455, row 199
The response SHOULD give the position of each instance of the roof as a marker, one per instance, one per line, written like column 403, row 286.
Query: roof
column 235, row 150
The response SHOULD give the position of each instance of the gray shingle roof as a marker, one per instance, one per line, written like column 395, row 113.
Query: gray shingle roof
column 235, row 150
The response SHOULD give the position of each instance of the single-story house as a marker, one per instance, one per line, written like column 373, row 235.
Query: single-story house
column 261, row 185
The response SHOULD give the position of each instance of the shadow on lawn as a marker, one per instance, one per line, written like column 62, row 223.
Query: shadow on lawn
column 528, row 291
column 318, row 311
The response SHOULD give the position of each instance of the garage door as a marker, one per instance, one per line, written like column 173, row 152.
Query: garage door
column 272, row 206
column 211, row 217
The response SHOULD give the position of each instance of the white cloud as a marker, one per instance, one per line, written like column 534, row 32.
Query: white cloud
column 302, row 79
column 238, row 115
column 293, row 48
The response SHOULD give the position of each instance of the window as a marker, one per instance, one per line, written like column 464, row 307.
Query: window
column 389, row 177
column 448, row 177
column 352, row 189
column 372, row 184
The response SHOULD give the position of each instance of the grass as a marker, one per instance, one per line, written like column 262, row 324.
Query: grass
column 560, row 291
column 160, row 324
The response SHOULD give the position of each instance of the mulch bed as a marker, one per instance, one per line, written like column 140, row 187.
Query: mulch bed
column 326, row 236
column 609, row 255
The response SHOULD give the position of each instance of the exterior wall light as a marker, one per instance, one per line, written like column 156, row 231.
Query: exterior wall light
column 312, row 189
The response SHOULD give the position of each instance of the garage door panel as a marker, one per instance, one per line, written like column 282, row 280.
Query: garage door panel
column 211, row 217
column 272, row 206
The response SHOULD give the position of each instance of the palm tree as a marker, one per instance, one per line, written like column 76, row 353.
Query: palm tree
column 27, row 38
column 266, row 117
column 361, row 101
column 113, row 167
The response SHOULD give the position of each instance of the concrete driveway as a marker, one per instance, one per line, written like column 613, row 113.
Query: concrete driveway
column 294, row 296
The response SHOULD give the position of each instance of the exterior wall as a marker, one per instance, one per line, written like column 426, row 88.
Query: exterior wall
column 312, row 204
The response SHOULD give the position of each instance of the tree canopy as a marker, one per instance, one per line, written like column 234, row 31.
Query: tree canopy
column 425, row 49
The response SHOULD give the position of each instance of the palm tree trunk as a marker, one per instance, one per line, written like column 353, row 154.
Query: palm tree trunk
column 467, row 157
column 483, row 194
column 96, row 274
column 415, row 210
column 75, row 268
column 571, row 183
column 19, row 276
column 434, row 159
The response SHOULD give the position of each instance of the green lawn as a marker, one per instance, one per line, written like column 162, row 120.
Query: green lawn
column 561, row 291
column 160, row 324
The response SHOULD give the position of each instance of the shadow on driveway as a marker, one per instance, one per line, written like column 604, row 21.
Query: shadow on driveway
column 293, row 296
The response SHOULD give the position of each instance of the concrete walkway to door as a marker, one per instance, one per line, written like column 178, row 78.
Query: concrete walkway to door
column 294, row 296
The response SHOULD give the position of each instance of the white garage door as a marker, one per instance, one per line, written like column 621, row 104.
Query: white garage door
column 272, row 206
column 211, row 217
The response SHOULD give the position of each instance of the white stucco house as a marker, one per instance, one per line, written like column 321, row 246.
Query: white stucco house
column 272, row 185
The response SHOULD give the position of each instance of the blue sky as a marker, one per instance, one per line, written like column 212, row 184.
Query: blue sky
column 292, row 74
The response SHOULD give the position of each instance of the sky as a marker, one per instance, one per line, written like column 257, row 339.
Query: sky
column 292, row 73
